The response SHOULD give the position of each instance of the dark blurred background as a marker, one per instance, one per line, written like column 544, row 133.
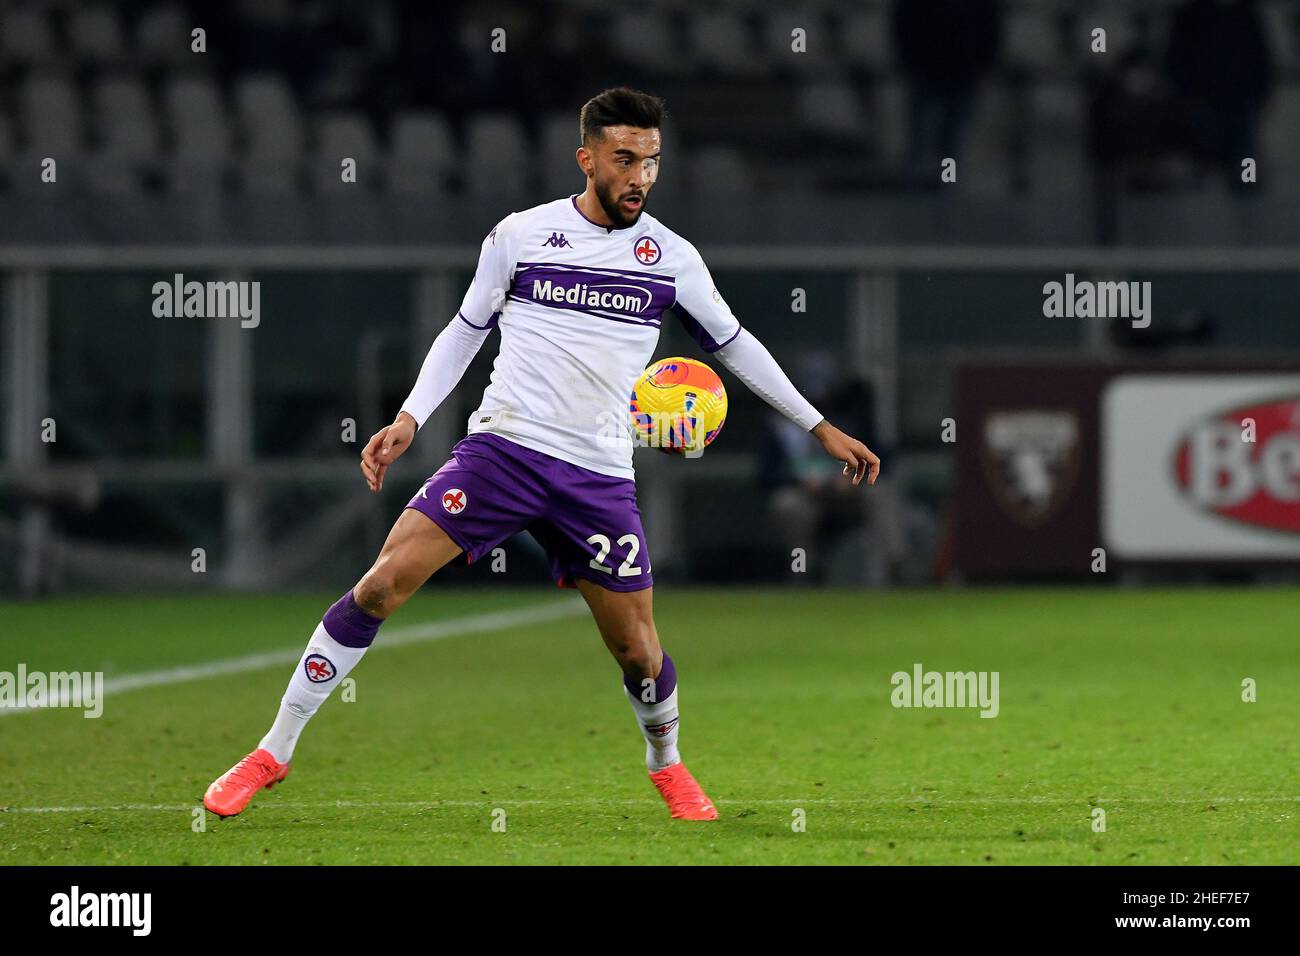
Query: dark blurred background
column 807, row 176
column 837, row 142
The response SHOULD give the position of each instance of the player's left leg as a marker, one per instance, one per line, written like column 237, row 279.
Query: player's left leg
column 625, row 620
column 591, row 531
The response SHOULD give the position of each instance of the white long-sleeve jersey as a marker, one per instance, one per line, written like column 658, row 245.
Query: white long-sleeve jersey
column 579, row 306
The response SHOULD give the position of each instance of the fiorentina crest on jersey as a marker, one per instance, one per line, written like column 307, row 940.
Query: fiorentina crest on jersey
column 647, row 251
column 454, row 501
column 318, row 668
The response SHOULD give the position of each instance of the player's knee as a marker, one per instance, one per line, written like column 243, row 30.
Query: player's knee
column 636, row 647
column 376, row 593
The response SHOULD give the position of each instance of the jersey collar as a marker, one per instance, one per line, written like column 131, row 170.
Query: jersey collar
column 608, row 229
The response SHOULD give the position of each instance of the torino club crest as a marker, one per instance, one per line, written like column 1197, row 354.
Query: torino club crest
column 1031, row 459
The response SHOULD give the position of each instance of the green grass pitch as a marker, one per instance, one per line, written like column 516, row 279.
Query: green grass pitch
column 1126, row 700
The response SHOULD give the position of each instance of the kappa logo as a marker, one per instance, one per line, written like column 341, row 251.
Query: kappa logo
column 647, row 251
column 454, row 501
column 558, row 241
column 318, row 668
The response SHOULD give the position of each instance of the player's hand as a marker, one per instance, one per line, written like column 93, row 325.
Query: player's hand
column 385, row 447
column 858, row 459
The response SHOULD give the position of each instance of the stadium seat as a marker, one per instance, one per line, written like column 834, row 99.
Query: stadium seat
column 718, row 170
column 49, row 118
column 497, row 151
column 1279, row 164
column 26, row 38
column 1282, row 23
column 127, row 135
column 345, row 134
column 125, row 117
column 50, row 114
column 985, row 167
column 819, row 42
column 272, row 131
column 421, row 153
column 889, row 121
column 265, row 99
column 719, row 41
column 866, row 39
column 162, row 35
column 1116, row 17
column 1058, row 160
column 1032, row 40
column 8, row 156
column 645, row 40
column 832, row 108
column 200, row 132
column 560, row 174
column 95, row 35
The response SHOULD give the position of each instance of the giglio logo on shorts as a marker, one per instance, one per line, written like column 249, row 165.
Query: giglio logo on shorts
column 454, row 501
column 1253, row 482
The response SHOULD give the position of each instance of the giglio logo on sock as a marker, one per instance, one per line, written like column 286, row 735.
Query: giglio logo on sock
column 318, row 668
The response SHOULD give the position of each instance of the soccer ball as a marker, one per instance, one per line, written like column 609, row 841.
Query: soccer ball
column 678, row 406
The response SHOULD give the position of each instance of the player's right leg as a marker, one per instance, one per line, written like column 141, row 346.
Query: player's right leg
column 415, row 549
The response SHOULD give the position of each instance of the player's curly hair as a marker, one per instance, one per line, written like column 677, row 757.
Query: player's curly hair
column 620, row 106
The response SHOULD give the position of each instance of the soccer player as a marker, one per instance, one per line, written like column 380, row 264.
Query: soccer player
column 578, row 288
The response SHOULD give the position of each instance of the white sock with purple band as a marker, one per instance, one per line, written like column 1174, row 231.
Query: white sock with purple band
column 337, row 645
column 655, row 705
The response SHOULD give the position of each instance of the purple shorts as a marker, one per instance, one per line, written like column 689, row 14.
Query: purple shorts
column 588, row 523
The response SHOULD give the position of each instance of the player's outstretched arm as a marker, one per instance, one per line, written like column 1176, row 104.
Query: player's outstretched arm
column 449, row 356
column 753, row 364
column 706, row 316
column 859, row 460
column 385, row 447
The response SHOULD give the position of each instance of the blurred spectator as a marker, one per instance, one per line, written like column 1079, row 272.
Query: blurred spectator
column 944, row 47
column 1134, row 125
column 810, row 504
column 1219, row 63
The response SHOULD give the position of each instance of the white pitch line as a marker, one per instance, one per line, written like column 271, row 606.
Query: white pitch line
column 650, row 801
column 396, row 637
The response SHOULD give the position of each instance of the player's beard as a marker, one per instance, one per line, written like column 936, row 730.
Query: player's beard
column 609, row 201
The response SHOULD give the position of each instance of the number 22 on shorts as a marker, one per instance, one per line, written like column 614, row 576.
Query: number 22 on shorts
column 625, row 570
